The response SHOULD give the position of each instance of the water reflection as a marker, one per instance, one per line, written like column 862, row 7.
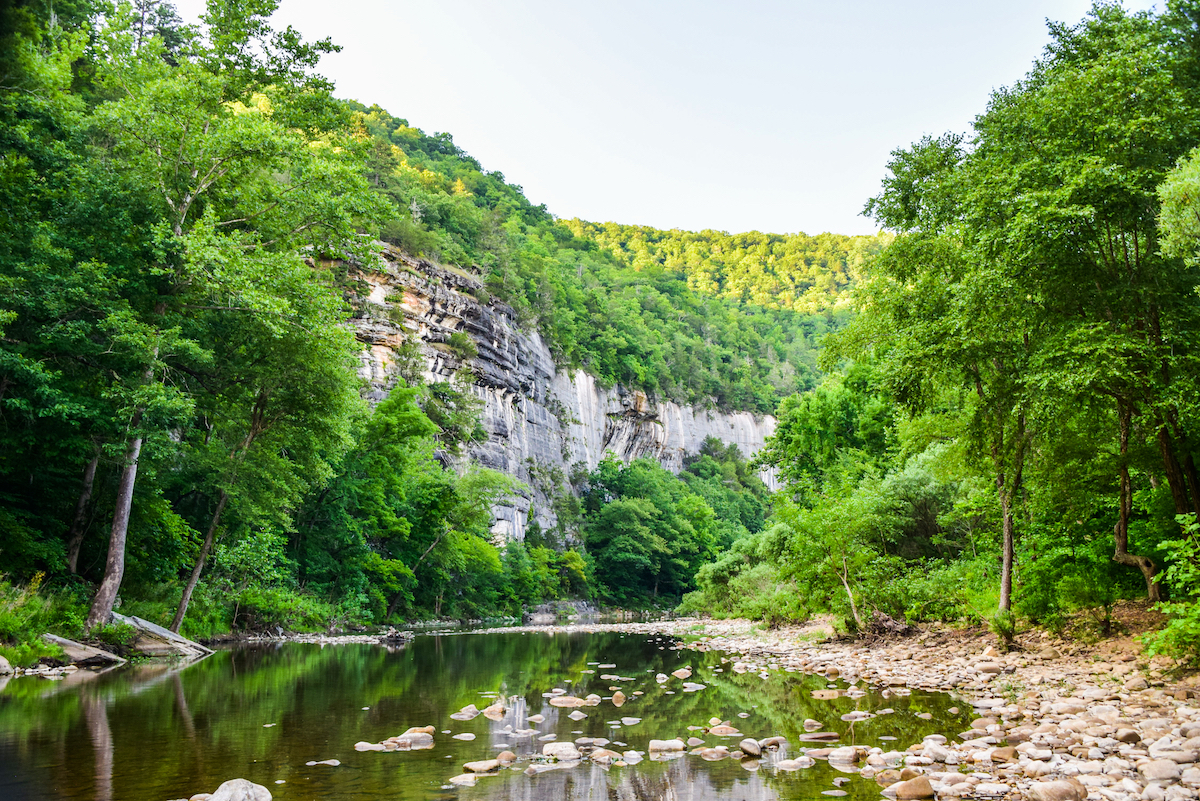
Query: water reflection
column 162, row 730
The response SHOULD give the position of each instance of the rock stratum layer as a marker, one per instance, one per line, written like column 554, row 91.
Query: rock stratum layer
column 540, row 421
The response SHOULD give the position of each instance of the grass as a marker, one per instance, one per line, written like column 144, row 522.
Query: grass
column 27, row 611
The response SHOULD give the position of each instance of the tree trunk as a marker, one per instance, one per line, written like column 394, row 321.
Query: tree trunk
column 844, row 576
column 78, row 523
column 1121, row 553
column 114, row 566
column 1006, row 566
column 205, row 549
column 1187, row 465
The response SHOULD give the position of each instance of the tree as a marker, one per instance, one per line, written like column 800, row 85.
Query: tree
column 234, row 144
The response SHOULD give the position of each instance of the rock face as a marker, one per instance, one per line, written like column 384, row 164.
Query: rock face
column 540, row 421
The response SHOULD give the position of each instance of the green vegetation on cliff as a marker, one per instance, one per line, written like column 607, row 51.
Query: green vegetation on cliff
column 706, row 319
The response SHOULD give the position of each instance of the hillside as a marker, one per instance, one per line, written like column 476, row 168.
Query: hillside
column 708, row 319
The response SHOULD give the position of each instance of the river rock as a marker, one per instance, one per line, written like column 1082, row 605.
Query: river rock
column 241, row 790
column 1159, row 770
column 494, row 712
column 812, row 725
column 913, row 789
column 937, row 752
column 724, row 730
column 847, row 753
column 482, row 766
column 1048, row 653
column 618, row 698
column 657, row 746
column 1005, row 754
column 468, row 712
column 603, row 756
column 1061, row 790
column 887, row 777
column 567, row 701
column 682, row 673
column 567, row 752
column 750, row 747
column 991, row 789
column 5, row 667
column 363, row 745
column 506, row 757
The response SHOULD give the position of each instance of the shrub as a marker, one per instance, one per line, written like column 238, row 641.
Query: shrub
column 1181, row 637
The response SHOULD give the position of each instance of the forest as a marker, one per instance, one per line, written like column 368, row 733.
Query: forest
column 987, row 413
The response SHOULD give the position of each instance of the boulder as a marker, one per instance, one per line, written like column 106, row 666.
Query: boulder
column 482, row 766
column 603, row 756
column 1160, row 770
column 5, row 667
column 750, row 747
column 676, row 744
column 1061, row 790
column 847, row 753
column 1006, row 754
column 241, row 790
column 506, row 757
column 913, row 789
column 567, row 752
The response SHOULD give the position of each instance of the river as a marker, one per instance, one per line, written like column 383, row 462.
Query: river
column 156, row 731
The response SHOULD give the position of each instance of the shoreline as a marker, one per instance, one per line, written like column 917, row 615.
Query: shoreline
column 1056, row 720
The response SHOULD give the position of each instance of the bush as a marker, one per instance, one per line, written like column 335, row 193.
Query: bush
column 27, row 612
column 264, row 608
column 1181, row 637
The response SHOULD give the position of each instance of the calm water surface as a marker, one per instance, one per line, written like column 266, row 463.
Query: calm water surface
column 158, row 732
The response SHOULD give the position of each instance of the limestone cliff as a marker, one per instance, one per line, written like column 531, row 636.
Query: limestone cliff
column 540, row 421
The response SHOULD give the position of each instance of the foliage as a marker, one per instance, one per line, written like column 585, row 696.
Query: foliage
column 1181, row 637
column 648, row 532
column 620, row 302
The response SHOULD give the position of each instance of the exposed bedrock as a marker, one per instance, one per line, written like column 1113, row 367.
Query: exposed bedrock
column 540, row 421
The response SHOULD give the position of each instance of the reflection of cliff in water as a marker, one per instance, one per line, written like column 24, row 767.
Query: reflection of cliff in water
column 682, row 779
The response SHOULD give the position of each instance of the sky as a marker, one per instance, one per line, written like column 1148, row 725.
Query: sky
column 736, row 116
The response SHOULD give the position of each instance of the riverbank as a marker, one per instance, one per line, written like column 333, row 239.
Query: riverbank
column 1058, row 720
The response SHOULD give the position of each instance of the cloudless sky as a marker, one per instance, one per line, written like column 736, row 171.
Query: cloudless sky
column 752, row 115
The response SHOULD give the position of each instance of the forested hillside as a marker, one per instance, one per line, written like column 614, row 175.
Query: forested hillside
column 182, row 433
column 1012, row 435
column 736, row 331
column 988, row 413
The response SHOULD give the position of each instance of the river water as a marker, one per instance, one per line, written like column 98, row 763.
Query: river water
column 158, row 731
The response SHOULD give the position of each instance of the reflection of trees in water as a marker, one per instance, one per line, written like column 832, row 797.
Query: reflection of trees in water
column 212, row 715
column 676, row 780
column 95, row 714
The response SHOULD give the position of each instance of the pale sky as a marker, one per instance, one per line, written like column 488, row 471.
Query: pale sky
column 770, row 116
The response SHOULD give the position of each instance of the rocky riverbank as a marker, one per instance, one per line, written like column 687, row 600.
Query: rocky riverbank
column 1056, row 720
